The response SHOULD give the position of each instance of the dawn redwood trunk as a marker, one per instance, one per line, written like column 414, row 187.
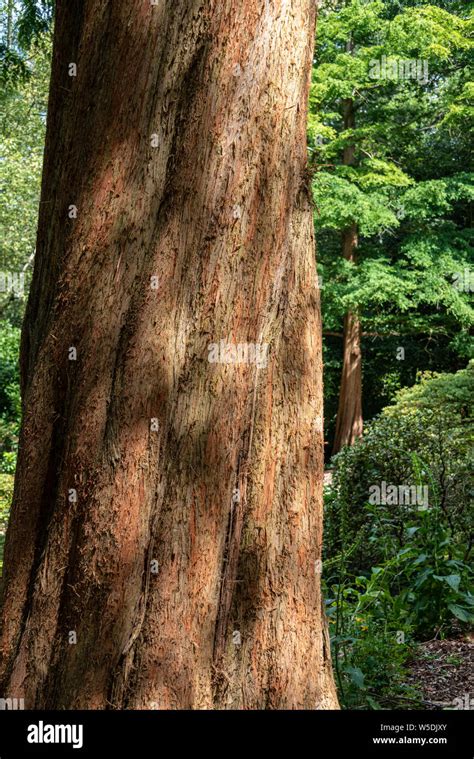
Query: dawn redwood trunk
column 165, row 536
column 349, row 422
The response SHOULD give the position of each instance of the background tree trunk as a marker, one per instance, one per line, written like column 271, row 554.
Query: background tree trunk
column 349, row 422
column 349, row 425
column 186, row 569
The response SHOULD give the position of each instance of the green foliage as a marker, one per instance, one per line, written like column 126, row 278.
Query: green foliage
column 376, row 617
column 415, row 592
column 35, row 19
column 370, row 645
column 397, row 572
column 10, row 405
column 409, row 190
column 6, row 495
column 423, row 440
column 9, row 376
column 25, row 24
column 23, row 131
column 440, row 392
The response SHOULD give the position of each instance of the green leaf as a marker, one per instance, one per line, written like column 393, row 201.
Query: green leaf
column 356, row 675
column 420, row 559
column 452, row 580
column 463, row 614
column 373, row 703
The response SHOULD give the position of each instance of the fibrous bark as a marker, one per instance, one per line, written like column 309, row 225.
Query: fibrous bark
column 165, row 536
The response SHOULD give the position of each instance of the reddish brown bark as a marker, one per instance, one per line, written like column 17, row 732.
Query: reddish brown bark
column 349, row 422
column 223, row 490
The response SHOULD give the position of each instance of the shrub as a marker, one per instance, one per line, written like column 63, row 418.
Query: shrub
column 424, row 440
column 10, row 406
column 397, row 569
column 6, row 495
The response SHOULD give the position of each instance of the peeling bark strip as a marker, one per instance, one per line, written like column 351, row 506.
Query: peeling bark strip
column 181, row 142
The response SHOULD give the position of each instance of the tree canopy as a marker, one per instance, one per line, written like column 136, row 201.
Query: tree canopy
column 409, row 190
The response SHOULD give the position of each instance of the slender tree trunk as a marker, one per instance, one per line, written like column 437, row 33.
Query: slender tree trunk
column 349, row 414
column 165, row 535
column 349, row 423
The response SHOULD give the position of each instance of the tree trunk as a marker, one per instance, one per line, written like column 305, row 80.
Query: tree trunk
column 165, row 535
column 349, row 423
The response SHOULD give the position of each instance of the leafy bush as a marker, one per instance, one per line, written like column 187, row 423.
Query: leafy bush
column 9, row 373
column 398, row 570
column 376, row 617
column 370, row 652
column 424, row 440
column 6, row 494
column 10, row 405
